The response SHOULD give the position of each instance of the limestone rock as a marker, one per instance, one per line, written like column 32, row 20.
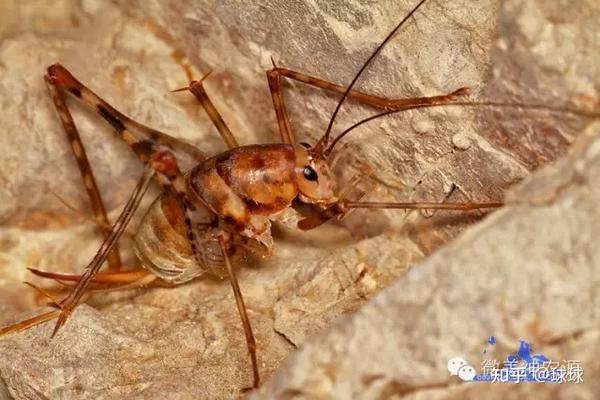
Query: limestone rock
column 530, row 272
column 187, row 341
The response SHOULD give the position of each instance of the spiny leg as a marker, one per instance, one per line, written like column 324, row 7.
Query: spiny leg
column 197, row 89
column 351, row 188
column 31, row 322
column 144, row 141
column 68, row 304
column 101, row 277
column 239, row 300
column 151, row 146
column 105, row 284
column 131, row 281
column 161, row 152
column 342, row 207
column 155, row 149
column 285, row 131
column 283, row 121
column 114, row 259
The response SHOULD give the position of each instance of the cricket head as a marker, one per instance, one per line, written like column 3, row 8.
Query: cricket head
column 316, row 182
column 313, row 174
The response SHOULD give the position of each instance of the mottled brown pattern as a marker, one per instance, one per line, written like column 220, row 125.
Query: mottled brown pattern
column 87, row 174
column 262, row 175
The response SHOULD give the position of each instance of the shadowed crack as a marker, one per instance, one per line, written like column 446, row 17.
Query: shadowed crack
column 287, row 339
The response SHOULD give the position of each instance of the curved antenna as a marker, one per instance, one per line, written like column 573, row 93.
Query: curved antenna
column 322, row 143
column 537, row 107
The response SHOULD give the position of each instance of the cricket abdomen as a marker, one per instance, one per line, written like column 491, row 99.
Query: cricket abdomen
column 164, row 247
column 162, row 244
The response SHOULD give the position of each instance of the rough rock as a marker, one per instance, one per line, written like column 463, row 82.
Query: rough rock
column 187, row 341
column 528, row 272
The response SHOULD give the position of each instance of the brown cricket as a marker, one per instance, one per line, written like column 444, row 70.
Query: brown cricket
column 215, row 213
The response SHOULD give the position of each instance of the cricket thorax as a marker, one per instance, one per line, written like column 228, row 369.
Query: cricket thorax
column 246, row 181
column 235, row 192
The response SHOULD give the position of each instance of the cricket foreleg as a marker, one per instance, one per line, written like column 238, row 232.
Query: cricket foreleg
column 342, row 207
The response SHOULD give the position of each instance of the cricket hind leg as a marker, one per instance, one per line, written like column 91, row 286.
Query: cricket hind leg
column 114, row 281
column 70, row 302
column 152, row 147
column 144, row 141
column 119, row 277
column 160, row 151
column 101, row 283
column 250, row 340
column 85, row 169
column 166, row 155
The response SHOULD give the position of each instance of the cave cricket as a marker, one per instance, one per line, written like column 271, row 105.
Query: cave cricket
column 216, row 212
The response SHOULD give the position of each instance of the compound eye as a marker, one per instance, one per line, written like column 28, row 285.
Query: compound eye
column 310, row 174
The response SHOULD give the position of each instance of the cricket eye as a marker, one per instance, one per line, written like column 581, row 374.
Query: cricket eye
column 310, row 174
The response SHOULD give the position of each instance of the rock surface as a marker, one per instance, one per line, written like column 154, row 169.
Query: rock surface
column 530, row 271
column 188, row 341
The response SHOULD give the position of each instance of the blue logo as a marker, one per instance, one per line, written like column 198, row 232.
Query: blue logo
column 520, row 366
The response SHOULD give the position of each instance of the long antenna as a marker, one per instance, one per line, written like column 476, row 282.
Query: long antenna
column 322, row 143
column 536, row 107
